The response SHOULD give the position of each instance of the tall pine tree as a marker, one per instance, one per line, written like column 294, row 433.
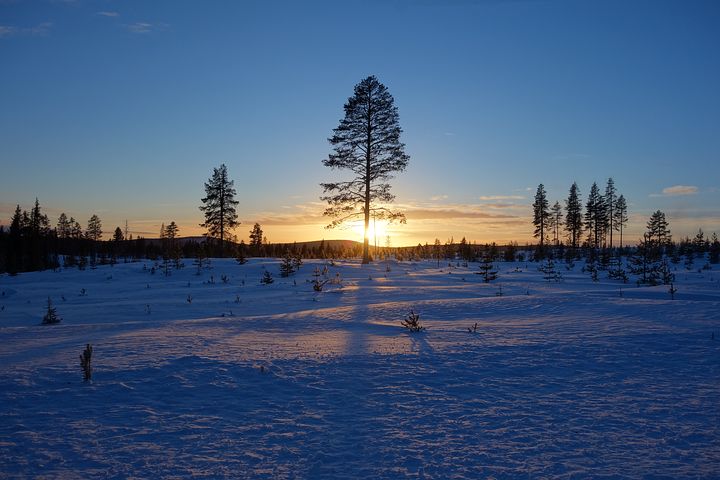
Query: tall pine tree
column 621, row 216
column 574, row 216
column 595, row 217
column 219, row 206
column 367, row 142
column 541, row 214
column 611, row 199
column 555, row 221
column 256, row 239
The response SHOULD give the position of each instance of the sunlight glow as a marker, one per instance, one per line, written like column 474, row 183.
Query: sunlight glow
column 378, row 227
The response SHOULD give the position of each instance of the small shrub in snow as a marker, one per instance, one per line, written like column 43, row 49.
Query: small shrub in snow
column 412, row 322
column 189, row 298
column 473, row 329
column 51, row 317
column 266, row 278
column 549, row 271
column 319, row 279
column 287, row 266
column 225, row 278
column 672, row 291
column 487, row 269
column 86, row 362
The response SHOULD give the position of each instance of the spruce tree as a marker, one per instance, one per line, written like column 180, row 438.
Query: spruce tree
column 595, row 217
column 541, row 214
column 50, row 317
column 287, row 265
column 367, row 143
column 487, row 269
column 219, row 206
column 573, row 216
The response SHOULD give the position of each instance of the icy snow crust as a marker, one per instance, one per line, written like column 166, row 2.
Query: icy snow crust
column 562, row 380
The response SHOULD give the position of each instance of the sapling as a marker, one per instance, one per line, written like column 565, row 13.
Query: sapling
column 51, row 317
column 86, row 362
column 412, row 322
column 266, row 278
column 672, row 291
column 473, row 329
column 189, row 298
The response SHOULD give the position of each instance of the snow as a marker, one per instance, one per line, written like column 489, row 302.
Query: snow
column 570, row 379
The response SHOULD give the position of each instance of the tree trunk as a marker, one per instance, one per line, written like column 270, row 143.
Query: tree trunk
column 366, row 240
column 368, row 153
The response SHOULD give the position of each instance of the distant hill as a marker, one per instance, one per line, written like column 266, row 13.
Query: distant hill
column 336, row 244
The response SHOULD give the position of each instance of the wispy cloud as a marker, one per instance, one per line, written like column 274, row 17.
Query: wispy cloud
column 435, row 198
column 680, row 190
column 676, row 191
column 145, row 27
column 41, row 29
column 492, row 198
column 469, row 212
column 108, row 14
column 7, row 31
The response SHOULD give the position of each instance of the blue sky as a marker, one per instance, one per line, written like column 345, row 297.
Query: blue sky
column 122, row 108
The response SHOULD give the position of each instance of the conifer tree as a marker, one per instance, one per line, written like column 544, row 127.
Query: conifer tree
column 50, row 317
column 287, row 265
column 76, row 230
column 171, row 231
column 621, row 216
column 487, row 269
column 611, row 199
column 219, row 206
column 573, row 216
column 256, row 239
column 714, row 248
column 541, row 214
column 63, row 226
column 595, row 216
column 94, row 229
column 367, row 142
column 658, row 233
column 555, row 221
column 14, row 251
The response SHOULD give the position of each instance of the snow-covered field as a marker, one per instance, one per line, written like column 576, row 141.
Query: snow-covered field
column 574, row 379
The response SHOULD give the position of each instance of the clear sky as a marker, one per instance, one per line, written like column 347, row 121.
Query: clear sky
column 122, row 108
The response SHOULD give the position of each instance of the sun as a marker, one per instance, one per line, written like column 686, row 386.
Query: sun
column 378, row 228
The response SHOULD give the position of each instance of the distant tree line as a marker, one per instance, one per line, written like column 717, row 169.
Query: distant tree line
column 604, row 214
